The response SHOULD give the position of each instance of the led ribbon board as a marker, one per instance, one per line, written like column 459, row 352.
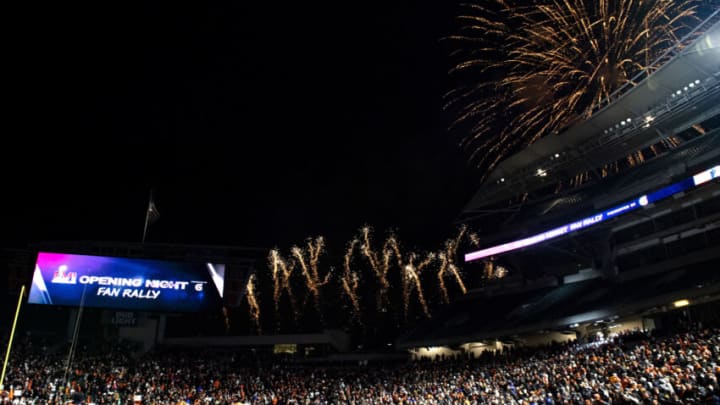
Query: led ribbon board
column 124, row 283
column 624, row 208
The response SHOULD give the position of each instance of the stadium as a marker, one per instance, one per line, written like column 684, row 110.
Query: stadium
column 590, row 285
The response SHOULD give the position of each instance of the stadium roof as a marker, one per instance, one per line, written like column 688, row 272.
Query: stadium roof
column 670, row 97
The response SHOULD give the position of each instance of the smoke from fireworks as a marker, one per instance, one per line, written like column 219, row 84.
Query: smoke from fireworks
column 526, row 71
column 350, row 280
column 250, row 289
column 447, row 265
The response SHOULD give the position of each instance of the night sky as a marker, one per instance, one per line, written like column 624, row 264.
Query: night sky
column 257, row 124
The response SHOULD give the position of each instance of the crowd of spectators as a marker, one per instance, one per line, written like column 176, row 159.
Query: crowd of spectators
column 681, row 368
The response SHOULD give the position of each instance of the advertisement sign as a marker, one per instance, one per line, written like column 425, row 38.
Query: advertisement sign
column 125, row 283
column 644, row 200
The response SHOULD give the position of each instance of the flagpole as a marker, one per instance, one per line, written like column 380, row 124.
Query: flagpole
column 147, row 217
column 12, row 335
column 76, row 333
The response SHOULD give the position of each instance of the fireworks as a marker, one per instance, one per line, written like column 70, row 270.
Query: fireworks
column 411, row 275
column 529, row 71
column 474, row 239
column 447, row 264
column 281, row 272
column 387, row 266
column 379, row 267
column 411, row 281
column 493, row 271
column 252, row 302
column 309, row 267
column 350, row 280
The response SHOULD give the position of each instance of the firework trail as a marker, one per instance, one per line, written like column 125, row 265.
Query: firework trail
column 447, row 265
column 474, row 239
column 309, row 267
column 488, row 269
column 350, row 280
column 281, row 272
column 494, row 271
column 411, row 276
column 527, row 71
column 380, row 267
column 252, row 302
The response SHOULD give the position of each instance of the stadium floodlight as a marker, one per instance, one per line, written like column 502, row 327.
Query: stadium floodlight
column 648, row 120
column 681, row 303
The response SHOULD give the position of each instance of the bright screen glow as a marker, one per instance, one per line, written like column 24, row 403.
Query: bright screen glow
column 624, row 208
column 124, row 283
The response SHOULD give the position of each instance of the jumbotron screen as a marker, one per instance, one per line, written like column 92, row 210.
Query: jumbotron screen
column 124, row 283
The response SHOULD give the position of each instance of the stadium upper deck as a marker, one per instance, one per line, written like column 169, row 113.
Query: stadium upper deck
column 634, row 264
column 676, row 99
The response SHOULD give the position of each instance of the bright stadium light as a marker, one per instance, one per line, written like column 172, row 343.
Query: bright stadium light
column 681, row 303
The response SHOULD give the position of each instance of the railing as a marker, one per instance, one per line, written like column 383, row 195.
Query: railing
column 657, row 63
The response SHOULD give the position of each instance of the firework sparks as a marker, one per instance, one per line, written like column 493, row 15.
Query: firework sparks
column 252, row 302
column 309, row 267
column 380, row 267
column 474, row 239
column 411, row 275
column 494, row 271
column 411, row 281
column 281, row 272
column 549, row 65
column 447, row 265
column 350, row 280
